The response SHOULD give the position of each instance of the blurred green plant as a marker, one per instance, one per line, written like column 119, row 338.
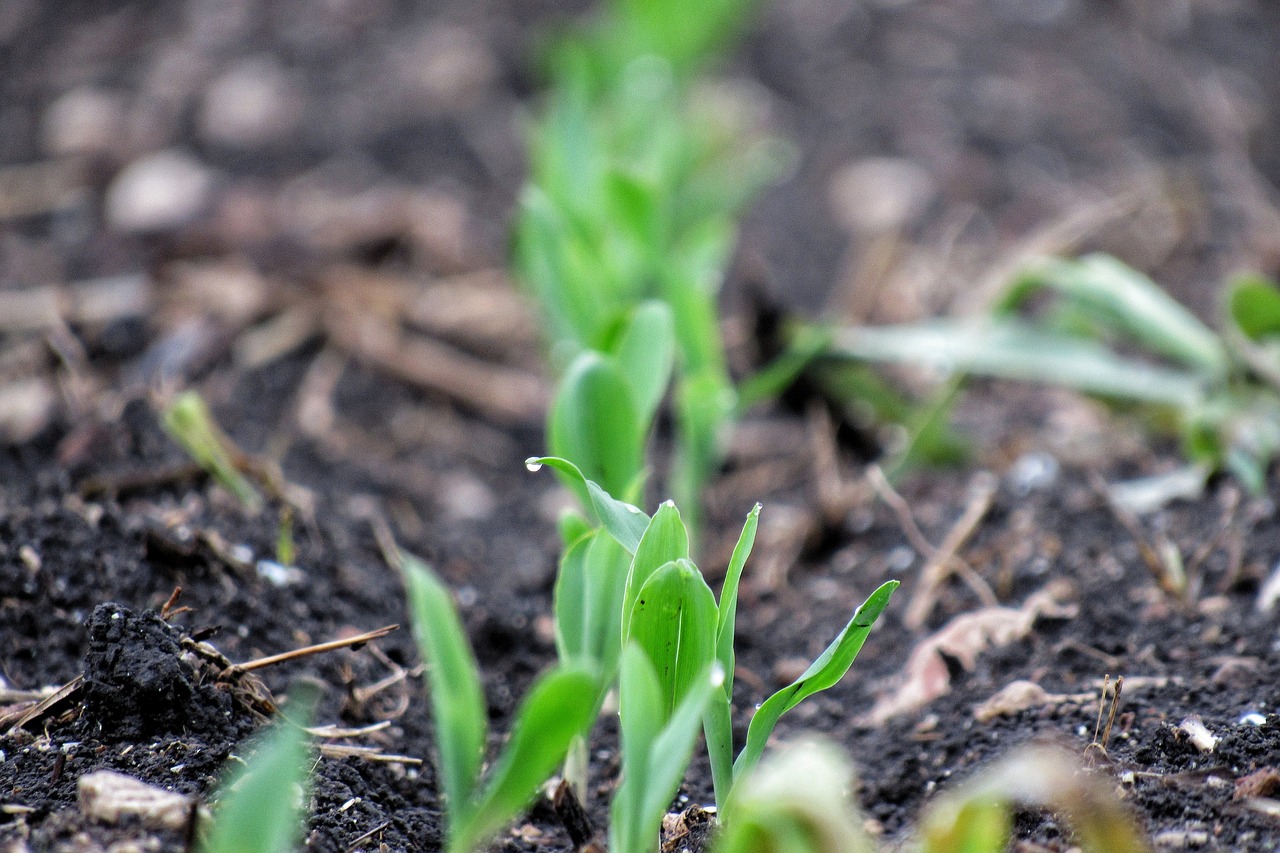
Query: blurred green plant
column 1103, row 328
column 668, row 611
column 633, row 194
column 261, row 804
column 798, row 802
column 554, row 712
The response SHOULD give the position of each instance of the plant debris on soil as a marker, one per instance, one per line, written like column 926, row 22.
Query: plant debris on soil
column 300, row 209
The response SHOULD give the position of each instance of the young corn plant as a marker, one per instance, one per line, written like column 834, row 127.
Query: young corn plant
column 261, row 804
column 633, row 196
column 668, row 611
column 1222, row 388
column 556, row 710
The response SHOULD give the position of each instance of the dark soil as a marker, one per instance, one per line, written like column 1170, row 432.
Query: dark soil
column 381, row 177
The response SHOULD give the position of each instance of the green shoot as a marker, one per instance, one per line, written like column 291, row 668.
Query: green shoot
column 261, row 804
column 668, row 611
column 187, row 419
column 551, row 716
column 657, row 741
column 632, row 198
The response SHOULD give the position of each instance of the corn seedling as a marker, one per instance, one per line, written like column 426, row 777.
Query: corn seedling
column 1223, row 389
column 556, row 710
column 798, row 801
column 669, row 612
column 261, row 804
column 632, row 197
column 657, row 742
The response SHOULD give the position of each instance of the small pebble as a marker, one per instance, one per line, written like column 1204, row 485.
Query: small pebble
column 253, row 103
column 158, row 192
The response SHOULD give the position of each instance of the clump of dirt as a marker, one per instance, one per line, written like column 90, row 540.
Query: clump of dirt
column 137, row 684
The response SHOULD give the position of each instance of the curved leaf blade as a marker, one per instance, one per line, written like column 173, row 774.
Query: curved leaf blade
column 625, row 522
column 825, row 671
column 558, row 708
column 665, row 540
column 674, row 622
column 259, row 812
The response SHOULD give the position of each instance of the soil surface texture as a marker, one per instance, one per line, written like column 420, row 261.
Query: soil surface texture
column 301, row 209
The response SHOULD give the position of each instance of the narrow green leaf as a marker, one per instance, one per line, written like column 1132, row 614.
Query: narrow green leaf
column 625, row 522
column 569, row 602
column 1119, row 295
column 1010, row 349
column 457, row 700
column 656, row 748
column 728, row 609
column 646, row 352
column 669, row 753
column 664, row 540
column 558, row 708
column 825, row 671
column 641, row 718
column 594, row 422
column 805, row 344
column 674, row 622
column 261, row 803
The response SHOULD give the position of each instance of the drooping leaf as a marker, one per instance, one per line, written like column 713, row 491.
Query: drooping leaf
column 557, row 709
column 1114, row 293
column 824, row 672
column 260, row 806
column 457, row 700
column 1009, row 349
column 674, row 620
column 625, row 522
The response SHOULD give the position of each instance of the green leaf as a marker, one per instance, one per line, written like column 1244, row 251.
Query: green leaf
column 1253, row 303
column 642, row 717
column 823, row 673
column 1009, row 349
column 588, row 601
column 728, row 608
column 646, row 352
column 261, row 803
column 625, row 522
column 1118, row 295
column 656, row 748
column 664, row 540
column 457, row 700
column 594, row 421
column 555, row 711
column 674, row 622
